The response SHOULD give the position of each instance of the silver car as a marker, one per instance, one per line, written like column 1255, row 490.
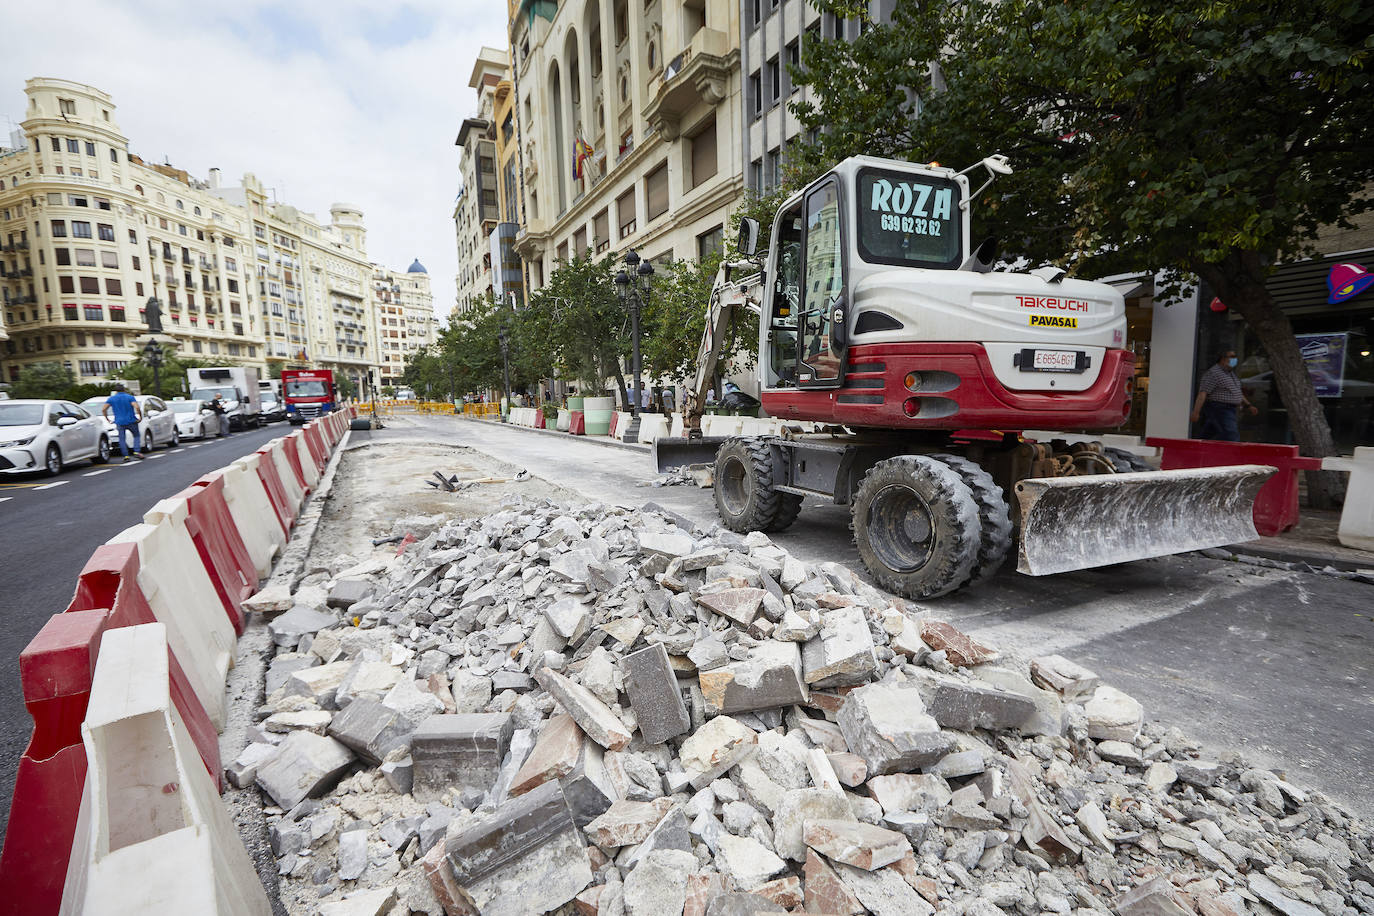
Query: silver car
column 157, row 427
column 40, row 435
column 194, row 418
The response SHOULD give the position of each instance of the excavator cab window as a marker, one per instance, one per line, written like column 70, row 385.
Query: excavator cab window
column 822, row 306
column 782, row 327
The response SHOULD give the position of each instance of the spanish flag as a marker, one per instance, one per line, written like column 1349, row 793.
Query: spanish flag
column 582, row 151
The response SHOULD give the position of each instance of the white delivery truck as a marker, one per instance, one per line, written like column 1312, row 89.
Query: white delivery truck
column 236, row 385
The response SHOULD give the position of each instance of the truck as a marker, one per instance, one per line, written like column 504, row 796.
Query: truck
column 903, row 367
column 237, row 385
column 308, row 393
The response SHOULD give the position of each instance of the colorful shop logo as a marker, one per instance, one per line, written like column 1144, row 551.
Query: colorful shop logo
column 1347, row 281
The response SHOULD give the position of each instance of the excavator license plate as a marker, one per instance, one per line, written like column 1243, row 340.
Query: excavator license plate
column 1029, row 360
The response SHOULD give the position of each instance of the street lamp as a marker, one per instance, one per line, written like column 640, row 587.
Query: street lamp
column 634, row 296
column 504, row 338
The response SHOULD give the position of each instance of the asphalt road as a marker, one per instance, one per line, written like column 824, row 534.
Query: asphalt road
column 1277, row 664
column 49, row 526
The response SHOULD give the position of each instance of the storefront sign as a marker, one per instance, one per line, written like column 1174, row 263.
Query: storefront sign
column 1347, row 281
column 1325, row 358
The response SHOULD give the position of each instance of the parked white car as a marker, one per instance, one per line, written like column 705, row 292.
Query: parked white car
column 194, row 419
column 39, row 435
column 158, row 426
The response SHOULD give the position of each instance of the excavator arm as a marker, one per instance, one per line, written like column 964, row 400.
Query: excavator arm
column 727, row 295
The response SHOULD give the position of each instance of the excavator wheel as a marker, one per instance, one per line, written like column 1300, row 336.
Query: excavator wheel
column 744, row 488
column 916, row 525
column 994, row 519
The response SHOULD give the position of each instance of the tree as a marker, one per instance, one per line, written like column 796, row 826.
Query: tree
column 1197, row 138
column 43, row 380
column 578, row 321
column 345, row 386
column 172, row 372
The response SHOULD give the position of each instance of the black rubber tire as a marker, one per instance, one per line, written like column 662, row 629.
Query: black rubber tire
column 147, row 445
column 744, row 488
column 928, row 544
column 52, row 460
column 102, row 452
column 176, row 438
column 994, row 518
column 1124, row 461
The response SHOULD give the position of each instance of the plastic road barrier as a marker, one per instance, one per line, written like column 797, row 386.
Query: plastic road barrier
column 564, row 419
column 221, row 547
column 266, row 468
column 652, row 426
column 227, row 582
column 577, row 423
column 297, row 467
column 254, row 513
column 291, row 482
column 302, row 462
column 1357, row 517
column 55, row 672
column 317, row 442
column 152, row 835
column 1276, row 505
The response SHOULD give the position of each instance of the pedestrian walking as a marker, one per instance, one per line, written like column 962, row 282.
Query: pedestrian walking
column 221, row 417
column 126, row 415
column 1219, row 398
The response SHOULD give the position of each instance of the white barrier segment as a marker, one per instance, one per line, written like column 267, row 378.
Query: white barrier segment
column 152, row 835
column 652, row 426
column 1357, row 517
column 295, row 493
column 622, row 424
column 183, row 598
column 307, row 460
column 253, row 515
column 564, row 422
column 679, row 428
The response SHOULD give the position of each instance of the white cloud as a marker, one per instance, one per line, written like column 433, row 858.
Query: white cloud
column 324, row 100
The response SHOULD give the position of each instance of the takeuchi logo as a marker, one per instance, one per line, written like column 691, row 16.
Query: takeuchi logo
column 1053, row 302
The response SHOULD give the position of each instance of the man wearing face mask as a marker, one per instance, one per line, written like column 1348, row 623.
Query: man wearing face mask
column 1219, row 398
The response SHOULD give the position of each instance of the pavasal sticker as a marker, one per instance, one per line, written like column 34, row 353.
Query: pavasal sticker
column 1053, row 321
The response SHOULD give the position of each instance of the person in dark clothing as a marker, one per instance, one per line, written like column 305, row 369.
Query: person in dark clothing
column 1219, row 397
column 216, row 406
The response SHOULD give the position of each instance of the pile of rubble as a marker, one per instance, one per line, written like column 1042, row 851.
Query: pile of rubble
column 594, row 711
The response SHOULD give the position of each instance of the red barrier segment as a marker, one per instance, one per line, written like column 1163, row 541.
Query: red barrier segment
column 316, row 442
column 1276, row 504
column 539, row 418
column 276, row 490
column 110, row 580
column 290, row 446
column 577, row 423
column 55, row 671
column 220, row 545
column 615, row 421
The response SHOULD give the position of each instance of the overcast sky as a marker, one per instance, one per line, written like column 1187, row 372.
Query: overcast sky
column 324, row 100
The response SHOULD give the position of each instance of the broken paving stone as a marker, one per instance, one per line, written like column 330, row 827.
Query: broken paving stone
column 855, row 843
column 883, row 892
column 399, row 774
column 795, row 626
column 1201, row 773
column 625, row 630
column 665, row 544
column 592, row 716
column 652, row 688
column 841, row 654
column 1113, row 716
column 955, row 704
column 1120, row 752
column 370, row 729
column 850, row 769
column 362, row 903
column 658, row 884
column 785, row 892
column 352, row 854
column 825, row 892
column 625, row 823
column 527, row 856
column 1068, row 679
column 288, row 629
column 887, row 726
column 900, row 792
column 769, row 677
column 746, row 861
column 714, row 748
column 739, row 903
column 738, row 604
column 348, row 592
column 958, row 764
column 461, row 751
column 554, row 755
column 304, row 766
column 958, row 648
column 708, row 652
column 1156, row 897
column 570, row 618
column 795, row 809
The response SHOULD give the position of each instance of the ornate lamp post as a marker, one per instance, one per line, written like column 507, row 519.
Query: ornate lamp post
column 504, row 338
column 634, row 295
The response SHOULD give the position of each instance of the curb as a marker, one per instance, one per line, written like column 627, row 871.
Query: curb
column 597, row 440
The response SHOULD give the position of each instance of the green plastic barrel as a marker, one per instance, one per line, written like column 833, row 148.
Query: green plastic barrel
column 575, row 403
column 598, row 413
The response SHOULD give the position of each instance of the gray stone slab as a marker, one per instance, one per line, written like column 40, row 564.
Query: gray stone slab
column 370, row 729
column 842, row 653
column 955, row 704
column 459, row 751
column 652, row 688
column 348, row 592
column 305, row 765
column 591, row 715
column 886, row 725
column 769, row 677
column 288, row 629
column 281, row 669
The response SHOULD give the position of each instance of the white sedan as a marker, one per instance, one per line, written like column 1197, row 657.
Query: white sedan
column 194, row 418
column 38, row 435
column 158, row 426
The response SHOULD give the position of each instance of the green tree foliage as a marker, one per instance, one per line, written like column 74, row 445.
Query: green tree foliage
column 1195, row 137
column 676, row 319
column 172, row 373
column 577, row 323
column 43, row 380
column 344, row 385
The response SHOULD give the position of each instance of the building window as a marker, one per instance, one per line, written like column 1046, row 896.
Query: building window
column 109, row 259
column 114, row 155
column 703, row 154
column 69, row 312
column 90, row 285
column 656, row 192
column 76, row 200
column 133, row 237
column 94, row 312
column 85, row 257
column 625, row 213
column 73, row 146
column 90, row 148
column 81, row 230
column 66, row 285
column 59, row 229
column 63, row 256
column 755, row 100
column 117, row 314
column 774, row 81
column 601, row 229
column 709, row 243
column 102, row 204
column 105, row 231
column 772, row 169
column 67, row 106
column 56, row 145
column 756, row 174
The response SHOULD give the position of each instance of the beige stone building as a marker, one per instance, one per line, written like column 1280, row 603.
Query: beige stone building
column 405, row 318
column 476, row 211
column 654, row 90
column 92, row 231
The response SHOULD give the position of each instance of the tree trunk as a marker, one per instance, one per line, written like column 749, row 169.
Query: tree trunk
column 620, row 382
column 1239, row 282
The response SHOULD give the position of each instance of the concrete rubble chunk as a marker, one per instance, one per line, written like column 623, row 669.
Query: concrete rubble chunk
column 738, row 604
column 592, row 716
column 1156, row 897
column 362, row 903
column 900, row 792
column 842, row 653
column 370, row 729
column 959, row 649
column 352, row 854
column 654, row 695
column 1113, row 716
column 1068, row 679
column 795, row 809
column 570, row 618
column 825, row 892
column 855, row 843
column 348, row 592
column 1268, row 891
column 739, row 903
column 300, row 621
column 746, row 861
column 665, row 544
column 462, row 751
column 770, row 676
column 955, row 704
column 527, row 856
column 887, row 726
column 625, row 631
column 658, row 884
column 716, row 747
column 304, row 766
column 883, row 892
column 672, row 832
column 625, row 823
column 555, row 754
column 708, row 652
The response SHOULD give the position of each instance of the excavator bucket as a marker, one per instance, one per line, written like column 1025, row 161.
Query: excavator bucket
column 1072, row 523
column 672, row 453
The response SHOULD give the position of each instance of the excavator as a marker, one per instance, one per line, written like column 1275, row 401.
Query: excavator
column 903, row 368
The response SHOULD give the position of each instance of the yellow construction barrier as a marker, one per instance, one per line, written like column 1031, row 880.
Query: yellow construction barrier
column 482, row 411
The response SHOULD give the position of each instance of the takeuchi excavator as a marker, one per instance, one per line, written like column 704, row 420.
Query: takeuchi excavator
column 904, row 369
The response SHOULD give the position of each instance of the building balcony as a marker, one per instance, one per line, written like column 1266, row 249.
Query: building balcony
column 701, row 73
